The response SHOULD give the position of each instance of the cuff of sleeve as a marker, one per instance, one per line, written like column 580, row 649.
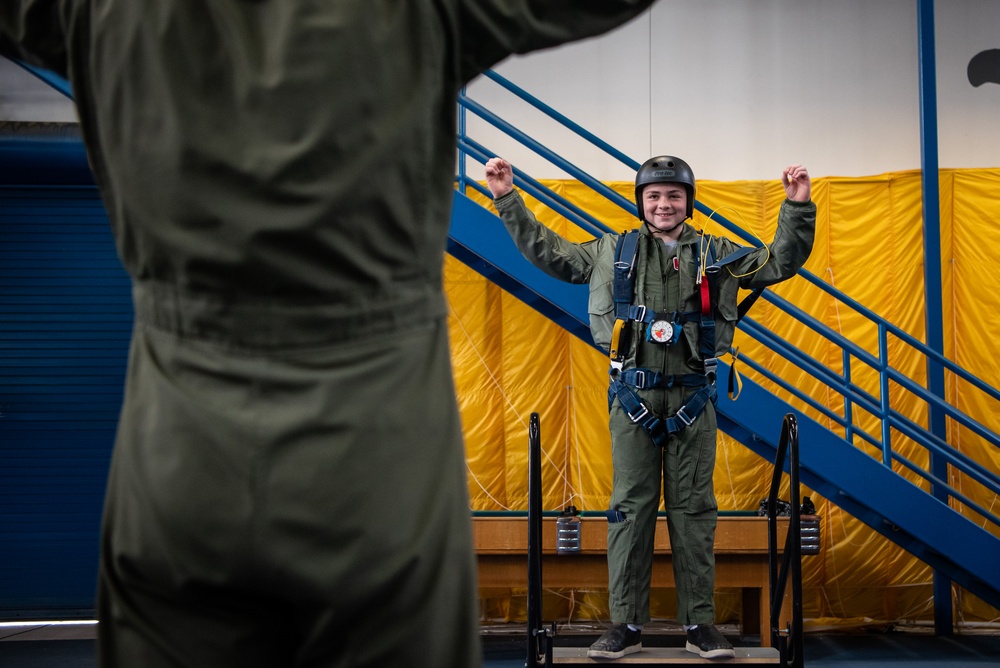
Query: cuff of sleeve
column 507, row 200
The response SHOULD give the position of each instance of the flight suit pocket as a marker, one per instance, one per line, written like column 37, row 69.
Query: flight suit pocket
column 600, row 306
column 601, row 300
column 726, row 299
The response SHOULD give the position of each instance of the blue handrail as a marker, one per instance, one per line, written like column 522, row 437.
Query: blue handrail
column 554, row 201
column 839, row 381
column 548, row 154
column 880, row 364
column 894, row 419
column 562, row 120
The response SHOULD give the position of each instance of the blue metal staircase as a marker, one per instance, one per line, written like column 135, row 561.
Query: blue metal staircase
column 866, row 486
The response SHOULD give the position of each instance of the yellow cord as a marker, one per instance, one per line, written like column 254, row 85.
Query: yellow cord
column 702, row 255
column 753, row 232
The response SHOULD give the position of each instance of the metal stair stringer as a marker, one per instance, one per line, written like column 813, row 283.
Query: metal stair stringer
column 901, row 511
column 478, row 239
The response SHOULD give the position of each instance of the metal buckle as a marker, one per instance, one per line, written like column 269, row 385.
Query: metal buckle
column 638, row 416
column 640, row 313
column 711, row 364
column 683, row 417
column 640, row 379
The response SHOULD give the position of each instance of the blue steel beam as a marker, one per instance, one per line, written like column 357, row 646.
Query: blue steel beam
column 479, row 240
column 861, row 485
column 934, row 311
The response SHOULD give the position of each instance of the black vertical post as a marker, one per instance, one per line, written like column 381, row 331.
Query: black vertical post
column 793, row 545
column 776, row 585
column 534, row 540
column 789, row 647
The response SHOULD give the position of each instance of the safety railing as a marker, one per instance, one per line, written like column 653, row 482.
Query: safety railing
column 539, row 638
column 855, row 398
column 787, row 641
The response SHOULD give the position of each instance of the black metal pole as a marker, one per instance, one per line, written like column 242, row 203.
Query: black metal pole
column 794, row 542
column 534, row 540
column 776, row 585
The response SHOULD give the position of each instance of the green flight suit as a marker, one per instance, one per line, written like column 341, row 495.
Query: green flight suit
column 686, row 465
column 288, row 484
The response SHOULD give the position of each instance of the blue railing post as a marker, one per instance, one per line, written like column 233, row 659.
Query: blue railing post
column 461, row 152
column 883, row 372
column 848, row 404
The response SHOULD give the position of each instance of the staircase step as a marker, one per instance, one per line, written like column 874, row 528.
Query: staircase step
column 668, row 656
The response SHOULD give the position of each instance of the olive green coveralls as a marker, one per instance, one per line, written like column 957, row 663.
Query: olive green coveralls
column 288, row 484
column 686, row 465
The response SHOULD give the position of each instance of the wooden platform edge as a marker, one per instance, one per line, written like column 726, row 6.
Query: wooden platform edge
column 668, row 656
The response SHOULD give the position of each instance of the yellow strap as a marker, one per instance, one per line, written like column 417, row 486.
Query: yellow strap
column 735, row 382
column 616, row 335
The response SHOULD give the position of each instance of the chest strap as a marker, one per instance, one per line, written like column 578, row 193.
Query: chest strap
column 648, row 379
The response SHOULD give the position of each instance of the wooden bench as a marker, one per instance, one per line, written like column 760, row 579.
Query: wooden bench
column 501, row 544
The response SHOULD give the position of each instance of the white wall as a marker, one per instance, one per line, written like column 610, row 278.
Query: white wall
column 739, row 88
column 25, row 98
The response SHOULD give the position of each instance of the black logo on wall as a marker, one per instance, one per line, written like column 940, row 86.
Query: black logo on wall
column 985, row 68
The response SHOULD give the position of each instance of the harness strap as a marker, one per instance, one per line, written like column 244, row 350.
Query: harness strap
column 623, row 381
column 747, row 302
column 735, row 382
column 623, row 291
column 659, row 429
column 738, row 254
column 706, row 339
column 638, row 412
column 647, row 379
column 626, row 253
column 615, row 350
column 690, row 411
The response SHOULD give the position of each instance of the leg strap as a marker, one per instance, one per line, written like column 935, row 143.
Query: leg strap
column 659, row 429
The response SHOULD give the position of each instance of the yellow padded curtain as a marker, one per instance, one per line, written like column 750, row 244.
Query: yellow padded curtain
column 510, row 361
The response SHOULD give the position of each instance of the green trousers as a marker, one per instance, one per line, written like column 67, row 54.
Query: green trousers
column 263, row 510
column 685, row 468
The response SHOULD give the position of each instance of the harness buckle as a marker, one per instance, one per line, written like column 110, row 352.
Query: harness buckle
column 640, row 313
column 711, row 364
column 639, row 415
column 640, row 379
column 683, row 417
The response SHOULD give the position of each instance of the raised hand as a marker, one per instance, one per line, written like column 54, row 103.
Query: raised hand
column 499, row 177
column 798, row 185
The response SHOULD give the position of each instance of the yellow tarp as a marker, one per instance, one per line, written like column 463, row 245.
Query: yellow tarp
column 510, row 361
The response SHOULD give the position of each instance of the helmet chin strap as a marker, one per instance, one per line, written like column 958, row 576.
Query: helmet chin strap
column 653, row 229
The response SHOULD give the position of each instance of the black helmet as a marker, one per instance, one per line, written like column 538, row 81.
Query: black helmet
column 664, row 169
